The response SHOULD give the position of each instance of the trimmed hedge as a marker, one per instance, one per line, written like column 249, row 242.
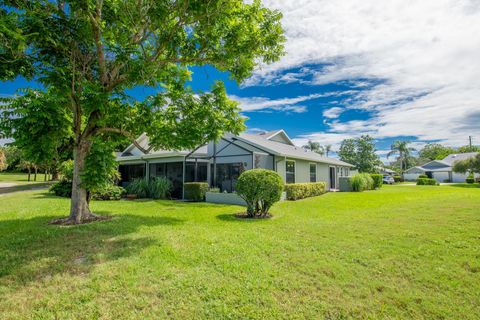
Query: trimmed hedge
column 397, row 178
column 110, row 192
column 423, row 176
column 470, row 180
column 377, row 180
column 426, row 182
column 296, row 191
column 260, row 188
column 361, row 182
column 195, row 191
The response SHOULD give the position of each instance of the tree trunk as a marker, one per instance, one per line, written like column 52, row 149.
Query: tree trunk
column 35, row 176
column 29, row 174
column 79, row 209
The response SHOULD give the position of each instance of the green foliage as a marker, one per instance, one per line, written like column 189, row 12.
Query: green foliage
column 159, row 188
column 470, row 165
column 470, row 178
column 360, row 152
column 62, row 188
column 296, row 191
column 260, row 188
column 397, row 178
column 101, row 168
column 423, row 176
column 66, row 170
column 195, row 191
column 468, row 148
column 155, row 188
column 435, row 151
column 426, row 182
column 377, row 180
column 403, row 151
column 361, row 182
column 111, row 192
column 214, row 190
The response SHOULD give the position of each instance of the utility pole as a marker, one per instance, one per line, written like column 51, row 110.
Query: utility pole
column 470, row 139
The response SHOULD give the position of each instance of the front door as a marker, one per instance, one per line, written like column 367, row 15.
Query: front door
column 333, row 178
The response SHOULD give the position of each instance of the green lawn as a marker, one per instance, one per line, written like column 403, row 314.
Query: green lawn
column 19, row 178
column 402, row 252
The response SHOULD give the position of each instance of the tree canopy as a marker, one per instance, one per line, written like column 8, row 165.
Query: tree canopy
column 470, row 165
column 88, row 53
column 361, row 153
column 435, row 151
column 403, row 152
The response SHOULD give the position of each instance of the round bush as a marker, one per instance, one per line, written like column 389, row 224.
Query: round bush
column 423, row 176
column 260, row 188
column 377, row 180
column 361, row 182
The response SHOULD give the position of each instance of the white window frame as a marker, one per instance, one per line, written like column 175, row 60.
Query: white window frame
column 309, row 171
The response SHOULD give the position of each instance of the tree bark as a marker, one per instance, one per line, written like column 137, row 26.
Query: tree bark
column 79, row 209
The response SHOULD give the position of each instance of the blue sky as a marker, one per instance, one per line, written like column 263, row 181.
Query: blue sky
column 383, row 68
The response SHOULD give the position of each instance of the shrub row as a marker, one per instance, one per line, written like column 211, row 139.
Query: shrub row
column 377, row 180
column 296, row 191
column 361, row 182
column 426, row 182
column 195, row 191
column 397, row 178
column 423, row 176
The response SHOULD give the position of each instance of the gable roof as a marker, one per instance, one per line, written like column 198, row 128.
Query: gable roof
column 450, row 159
column 446, row 163
column 276, row 135
column 286, row 150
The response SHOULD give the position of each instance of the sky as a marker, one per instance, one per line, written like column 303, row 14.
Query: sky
column 396, row 69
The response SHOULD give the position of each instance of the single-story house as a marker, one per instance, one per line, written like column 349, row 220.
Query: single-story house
column 220, row 163
column 440, row 170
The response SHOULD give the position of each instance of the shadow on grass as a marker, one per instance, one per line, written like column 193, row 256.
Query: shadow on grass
column 24, row 187
column 465, row 185
column 30, row 249
column 233, row 218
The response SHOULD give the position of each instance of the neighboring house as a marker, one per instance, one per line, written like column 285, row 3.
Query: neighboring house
column 221, row 163
column 440, row 170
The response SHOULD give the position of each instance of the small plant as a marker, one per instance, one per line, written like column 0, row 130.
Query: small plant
column 397, row 178
column 159, row 188
column 195, row 191
column 361, row 182
column 260, row 188
column 110, row 192
column 296, row 191
column 377, row 180
column 155, row 188
column 470, row 179
column 214, row 190
column 62, row 188
column 426, row 182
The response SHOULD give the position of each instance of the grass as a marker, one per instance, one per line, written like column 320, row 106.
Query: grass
column 393, row 253
column 19, row 177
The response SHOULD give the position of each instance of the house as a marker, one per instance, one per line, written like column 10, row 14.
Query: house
column 221, row 163
column 440, row 170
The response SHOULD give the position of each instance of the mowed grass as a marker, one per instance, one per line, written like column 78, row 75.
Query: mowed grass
column 19, row 177
column 400, row 252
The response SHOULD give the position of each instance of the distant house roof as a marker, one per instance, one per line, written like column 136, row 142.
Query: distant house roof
column 445, row 164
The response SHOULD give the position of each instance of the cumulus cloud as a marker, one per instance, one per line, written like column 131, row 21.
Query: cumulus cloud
column 417, row 62
column 250, row 104
column 332, row 112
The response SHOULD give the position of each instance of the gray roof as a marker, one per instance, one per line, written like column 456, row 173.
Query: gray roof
column 289, row 151
column 450, row 159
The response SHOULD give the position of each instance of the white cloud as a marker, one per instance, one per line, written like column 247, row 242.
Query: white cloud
column 423, row 56
column 332, row 113
column 250, row 104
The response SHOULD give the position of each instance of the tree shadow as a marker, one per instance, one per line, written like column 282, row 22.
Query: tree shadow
column 30, row 249
column 465, row 185
column 233, row 218
column 24, row 187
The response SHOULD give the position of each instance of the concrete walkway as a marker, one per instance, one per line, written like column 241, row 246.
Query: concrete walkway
column 11, row 187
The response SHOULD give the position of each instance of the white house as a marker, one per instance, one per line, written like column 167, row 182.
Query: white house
column 440, row 170
column 221, row 163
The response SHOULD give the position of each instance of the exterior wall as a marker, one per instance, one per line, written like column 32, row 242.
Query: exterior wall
column 323, row 174
column 280, row 138
column 166, row 159
column 280, row 167
column 441, row 176
column 262, row 160
column 411, row 176
column 302, row 171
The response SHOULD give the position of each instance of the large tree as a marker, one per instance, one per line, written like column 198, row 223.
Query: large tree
column 361, row 153
column 403, row 152
column 3, row 160
column 435, row 151
column 314, row 147
column 89, row 52
column 470, row 165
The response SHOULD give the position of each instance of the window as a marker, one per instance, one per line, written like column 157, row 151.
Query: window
column 313, row 172
column 290, row 171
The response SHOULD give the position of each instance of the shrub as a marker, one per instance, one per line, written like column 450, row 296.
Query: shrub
column 155, row 188
column 62, row 188
column 377, row 180
column 110, row 192
column 397, row 178
column 296, row 191
column 214, row 190
column 159, row 188
column 195, row 191
column 423, row 176
column 361, row 182
column 426, row 182
column 260, row 188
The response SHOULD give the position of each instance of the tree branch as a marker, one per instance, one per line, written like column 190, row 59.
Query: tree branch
column 126, row 134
